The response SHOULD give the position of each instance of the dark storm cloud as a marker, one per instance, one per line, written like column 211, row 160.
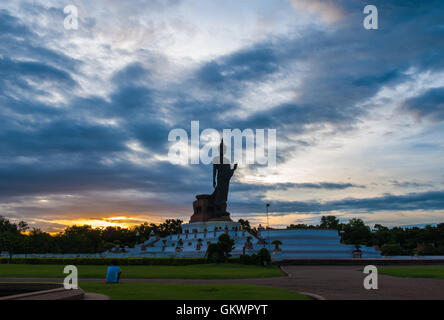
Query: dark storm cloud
column 15, row 77
column 430, row 105
column 18, row 41
column 60, row 137
column 252, row 64
column 131, row 75
column 34, row 69
column 88, row 174
column 286, row 186
column 10, row 25
column 327, row 185
column 410, row 184
column 432, row 200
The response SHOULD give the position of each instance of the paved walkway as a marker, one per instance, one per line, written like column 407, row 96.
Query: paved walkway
column 95, row 296
column 346, row 282
column 330, row 282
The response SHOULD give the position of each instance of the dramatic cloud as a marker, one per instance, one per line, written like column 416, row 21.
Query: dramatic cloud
column 327, row 9
column 415, row 201
column 430, row 105
column 85, row 114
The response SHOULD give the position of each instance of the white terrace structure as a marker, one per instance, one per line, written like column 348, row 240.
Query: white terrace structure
column 296, row 243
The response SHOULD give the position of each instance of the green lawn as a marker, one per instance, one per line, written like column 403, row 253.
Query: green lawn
column 414, row 272
column 196, row 271
column 160, row 291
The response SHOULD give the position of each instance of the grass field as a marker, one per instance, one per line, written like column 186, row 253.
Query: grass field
column 414, row 272
column 158, row 291
column 197, row 271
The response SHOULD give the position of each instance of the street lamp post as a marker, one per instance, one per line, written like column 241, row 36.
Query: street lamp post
column 268, row 227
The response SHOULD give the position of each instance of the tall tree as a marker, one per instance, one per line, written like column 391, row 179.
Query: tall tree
column 11, row 238
column 329, row 222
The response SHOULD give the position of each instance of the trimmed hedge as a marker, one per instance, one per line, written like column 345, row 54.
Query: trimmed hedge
column 261, row 258
column 107, row 261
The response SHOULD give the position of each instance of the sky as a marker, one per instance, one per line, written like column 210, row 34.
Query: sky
column 85, row 114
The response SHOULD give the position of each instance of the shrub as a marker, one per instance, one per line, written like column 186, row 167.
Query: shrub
column 226, row 244
column 276, row 244
column 264, row 257
column 220, row 252
column 247, row 259
column 392, row 250
column 429, row 250
column 215, row 253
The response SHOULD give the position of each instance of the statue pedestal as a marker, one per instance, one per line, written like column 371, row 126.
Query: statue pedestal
column 204, row 210
column 210, row 226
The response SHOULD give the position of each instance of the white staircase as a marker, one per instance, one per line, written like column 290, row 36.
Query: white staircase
column 296, row 243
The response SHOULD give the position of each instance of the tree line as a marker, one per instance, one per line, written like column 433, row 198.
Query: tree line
column 18, row 238
column 391, row 241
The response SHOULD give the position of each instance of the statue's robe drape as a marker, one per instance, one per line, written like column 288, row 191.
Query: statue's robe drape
column 224, row 174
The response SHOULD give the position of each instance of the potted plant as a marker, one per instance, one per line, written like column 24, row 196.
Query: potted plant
column 199, row 244
column 277, row 243
column 249, row 244
column 357, row 253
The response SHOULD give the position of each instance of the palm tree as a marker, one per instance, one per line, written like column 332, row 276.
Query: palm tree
column 277, row 243
column 164, row 245
column 248, row 244
column 199, row 243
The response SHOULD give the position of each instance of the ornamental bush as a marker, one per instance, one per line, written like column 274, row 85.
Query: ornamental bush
column 392, row 250
column 262, row 258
